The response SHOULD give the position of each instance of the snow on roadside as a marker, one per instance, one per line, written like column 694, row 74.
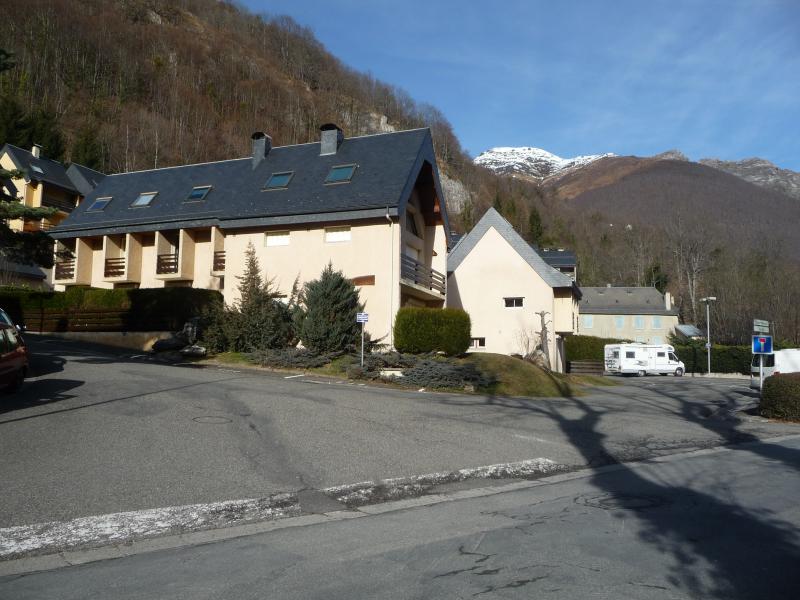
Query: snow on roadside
column 370, row 492
column 26, row 540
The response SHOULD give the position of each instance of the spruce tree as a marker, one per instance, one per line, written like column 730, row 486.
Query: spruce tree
column 330, row 306
column 87, row 150
column 535, row 227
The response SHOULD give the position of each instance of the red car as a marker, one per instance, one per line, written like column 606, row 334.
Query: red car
column 13, row 358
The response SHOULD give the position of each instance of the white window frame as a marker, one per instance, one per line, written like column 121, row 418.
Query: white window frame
column 338, row 235
column 477, row 342
column 276, row 238
column 638, row 323
column 657, row 322
column 514, row 301
column 587, row 321
column 619, row 322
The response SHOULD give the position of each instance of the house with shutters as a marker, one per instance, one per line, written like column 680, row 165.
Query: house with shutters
column 370, row 205
column 639, row 314
column 514, row 298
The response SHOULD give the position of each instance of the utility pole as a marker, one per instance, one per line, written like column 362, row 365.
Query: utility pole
column 708, row 300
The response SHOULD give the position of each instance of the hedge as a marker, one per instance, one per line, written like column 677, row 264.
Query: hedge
column 420, row 330
column 780, row 398
column 173, row 306
column 724, row 359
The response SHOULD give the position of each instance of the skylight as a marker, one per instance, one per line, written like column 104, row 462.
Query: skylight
column 144, row 199
column 99, row 204
column 36, row 169
column 198, row 193
column 340, row 174
column 278, row 181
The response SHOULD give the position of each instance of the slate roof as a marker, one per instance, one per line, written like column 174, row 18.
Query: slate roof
column 387, row 167
column 53, row 172
column 493, row 219
column 623, row 301
column 688, row 331
column 558, row 258
column 83, row 178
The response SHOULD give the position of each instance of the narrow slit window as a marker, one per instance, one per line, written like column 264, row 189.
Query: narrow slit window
column 99, row 204
column 198, row 194
column 144, row 199
column 513, row 302
column 340, row 174
column 279, row 181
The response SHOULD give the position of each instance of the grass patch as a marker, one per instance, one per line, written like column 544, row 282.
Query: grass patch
column 516, row 377
column 233, row 358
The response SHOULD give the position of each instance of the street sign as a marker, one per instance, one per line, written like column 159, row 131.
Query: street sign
column 362, row 317
column 762, row 344
column 760, row 326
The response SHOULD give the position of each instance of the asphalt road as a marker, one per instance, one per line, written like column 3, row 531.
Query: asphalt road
column 723, row 525
column 98, row 432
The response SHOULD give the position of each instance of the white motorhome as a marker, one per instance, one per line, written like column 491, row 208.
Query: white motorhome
column 780, row 361
column 643, row 359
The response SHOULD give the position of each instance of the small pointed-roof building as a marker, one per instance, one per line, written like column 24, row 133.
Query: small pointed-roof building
column 510, row 292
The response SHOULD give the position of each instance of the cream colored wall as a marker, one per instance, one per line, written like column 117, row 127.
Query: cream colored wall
column 148, row 276
column 22, row 188
column 605, row 326
column 491, row 272
column 565, row 311
column 203, row 261
column 98, row 267
column 372, row 250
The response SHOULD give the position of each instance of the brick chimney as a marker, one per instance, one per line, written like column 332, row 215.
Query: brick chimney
column 262, row 144
column 330, row 139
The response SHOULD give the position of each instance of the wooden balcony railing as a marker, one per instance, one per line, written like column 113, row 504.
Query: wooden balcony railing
column 166, row 264
column 65, row 269
column 114, row 267
column 62, row 204
column 414, row 271
column 219, row 261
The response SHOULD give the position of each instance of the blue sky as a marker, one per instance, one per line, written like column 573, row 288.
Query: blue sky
column 713, row 78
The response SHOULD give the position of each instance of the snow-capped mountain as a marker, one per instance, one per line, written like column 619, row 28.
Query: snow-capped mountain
column 532, row 162
column 761, row 172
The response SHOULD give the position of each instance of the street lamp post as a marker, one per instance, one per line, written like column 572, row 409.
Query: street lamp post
column 708, row 300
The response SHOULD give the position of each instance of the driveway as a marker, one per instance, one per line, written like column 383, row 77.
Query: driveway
column 99, row 431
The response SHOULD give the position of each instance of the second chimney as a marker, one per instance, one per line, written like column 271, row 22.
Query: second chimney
column 36, row 150
column 668, row 300
column 331, row 138
column 262, row 144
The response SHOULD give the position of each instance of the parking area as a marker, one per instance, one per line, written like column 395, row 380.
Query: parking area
column 98, row 431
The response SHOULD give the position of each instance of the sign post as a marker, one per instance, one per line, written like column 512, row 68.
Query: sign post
column 362, row 318
column 760, row 326
column 762, row 344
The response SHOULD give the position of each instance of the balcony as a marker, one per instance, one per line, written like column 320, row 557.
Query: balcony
column 65, row 269
column 422, row 278
column 219, row 262
column 167, row 264
column 114, row 267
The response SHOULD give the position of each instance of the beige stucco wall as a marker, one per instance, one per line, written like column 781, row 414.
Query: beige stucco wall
column 492, row 271
column 372, row 250
column 606, row 326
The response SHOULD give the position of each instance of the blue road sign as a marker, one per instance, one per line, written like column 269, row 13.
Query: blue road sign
column 362, row 317
column 762, row 344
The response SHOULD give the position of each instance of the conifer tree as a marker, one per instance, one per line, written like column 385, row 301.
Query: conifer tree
column 330, row 306
column 535, row 228
column 87, row 150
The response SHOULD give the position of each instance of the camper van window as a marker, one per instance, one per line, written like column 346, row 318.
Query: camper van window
column 769, row 360
column 615, row 354
column 661, row 354
column 630, row 355
column 673, row 357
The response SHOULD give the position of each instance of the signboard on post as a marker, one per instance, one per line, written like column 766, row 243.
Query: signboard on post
column 362, row 318
column 760, row 326
column 762, row 344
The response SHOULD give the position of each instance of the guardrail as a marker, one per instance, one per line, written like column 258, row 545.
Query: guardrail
column 417, row 273
column 166, row 264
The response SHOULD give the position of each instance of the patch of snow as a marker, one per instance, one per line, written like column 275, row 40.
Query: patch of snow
column 530, row 161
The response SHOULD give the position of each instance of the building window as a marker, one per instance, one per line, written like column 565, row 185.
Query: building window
column 656, row 322
column 337, row 234
column 277, row 238
column 144, row 199
column 478, row 342
column 619, row 322
column 513, row 302
column 340, row 174
column 638, row 322
column 99, row 204
column 279, row 181
column 198, row 193
column 588, row 321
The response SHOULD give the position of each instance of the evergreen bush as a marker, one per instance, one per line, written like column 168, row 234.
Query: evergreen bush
column 587, row 347
column 445, row 374
column 780, row 398
column 329, row 308
column 421, row 330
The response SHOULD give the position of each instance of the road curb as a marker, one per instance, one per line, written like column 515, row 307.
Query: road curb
column 170, row 542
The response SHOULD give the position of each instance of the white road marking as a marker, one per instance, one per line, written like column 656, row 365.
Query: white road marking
column 294, row 376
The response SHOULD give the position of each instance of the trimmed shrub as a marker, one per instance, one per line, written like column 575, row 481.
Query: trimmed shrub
column 441, row 374
column 724, row 359
column 587, row 347
column 330, row 305
column 780, row 398
column 421, row 330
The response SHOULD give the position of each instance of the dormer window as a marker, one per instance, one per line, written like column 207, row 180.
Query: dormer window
column 340, row 174
column 99, row 204
column 279, row 181
column 198, row 193
column 144, row 199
